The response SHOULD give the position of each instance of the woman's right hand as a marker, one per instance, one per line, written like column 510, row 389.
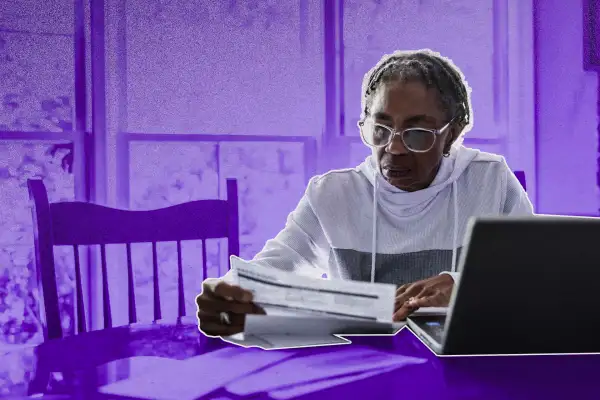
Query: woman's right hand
column 218, row 299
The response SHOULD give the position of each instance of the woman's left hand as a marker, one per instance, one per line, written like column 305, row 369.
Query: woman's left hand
column 430, row 292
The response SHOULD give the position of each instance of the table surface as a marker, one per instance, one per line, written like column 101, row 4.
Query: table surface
column 76, row 366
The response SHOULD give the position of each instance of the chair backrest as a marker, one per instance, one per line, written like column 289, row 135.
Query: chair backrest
column 521, row 177
column 81, row 224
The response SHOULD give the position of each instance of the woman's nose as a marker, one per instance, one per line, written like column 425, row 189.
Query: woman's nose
column 396, row 146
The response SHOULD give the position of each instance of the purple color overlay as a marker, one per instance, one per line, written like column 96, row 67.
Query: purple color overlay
column 400, row 366
column 146, row 104
column 81, row 224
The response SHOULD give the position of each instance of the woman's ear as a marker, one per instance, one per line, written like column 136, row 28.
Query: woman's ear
column 458, row 128
column 453, row 135
column 455, row 131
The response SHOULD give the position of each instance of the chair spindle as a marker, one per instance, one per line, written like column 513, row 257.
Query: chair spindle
column 180, row 292
column 105, row 293
column 130, row 286
column 81, row 325
column 157, row 312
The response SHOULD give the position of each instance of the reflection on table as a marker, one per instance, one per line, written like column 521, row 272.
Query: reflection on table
column 173, row 360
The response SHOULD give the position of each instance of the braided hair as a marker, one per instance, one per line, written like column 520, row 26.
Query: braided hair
column 434, row 71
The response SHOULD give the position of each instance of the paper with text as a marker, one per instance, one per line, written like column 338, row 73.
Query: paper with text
column 275, row 289
column 302, row 325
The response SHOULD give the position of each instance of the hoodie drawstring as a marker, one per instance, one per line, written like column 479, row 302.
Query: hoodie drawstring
column 374, row 238
column 374, row 234
column 455, row 233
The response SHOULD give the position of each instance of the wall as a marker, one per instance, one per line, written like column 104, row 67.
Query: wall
column 497, row 62
column 214, row 68
column 566, row 112
column 36, row 100
column 238, row 67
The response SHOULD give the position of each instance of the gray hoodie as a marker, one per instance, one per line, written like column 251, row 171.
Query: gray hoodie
column 352, row 224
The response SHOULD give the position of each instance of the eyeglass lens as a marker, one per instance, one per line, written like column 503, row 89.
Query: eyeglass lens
column 415, row 139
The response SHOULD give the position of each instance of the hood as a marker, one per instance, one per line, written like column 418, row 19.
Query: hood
column 396, row 199
column 402, row 203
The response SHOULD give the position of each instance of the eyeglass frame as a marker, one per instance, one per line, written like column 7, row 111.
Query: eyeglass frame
column 394, row 132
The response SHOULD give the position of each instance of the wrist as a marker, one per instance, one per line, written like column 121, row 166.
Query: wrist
column 455, row 276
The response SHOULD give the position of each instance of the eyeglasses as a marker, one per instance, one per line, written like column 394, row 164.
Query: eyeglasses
column 417, row 140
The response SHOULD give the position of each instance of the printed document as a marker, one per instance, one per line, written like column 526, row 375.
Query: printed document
column 281, row 292
column 303, row 311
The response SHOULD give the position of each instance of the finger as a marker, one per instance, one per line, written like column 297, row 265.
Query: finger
column 426, row 292
column 436, row 300
column 205, row 303
column 215, row 306
column 214, row 329
column 408, row 286
column 234, row 292
column 402, row 313
column 411, row 291
column 234, row 319
column 401, row 289
column 218, row 288
column 213, row 326
column 427, row 301
column 205, row 317
column 208, row 287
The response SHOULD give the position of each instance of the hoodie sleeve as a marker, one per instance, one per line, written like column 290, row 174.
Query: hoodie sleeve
column 300, row 246
column 514, row 202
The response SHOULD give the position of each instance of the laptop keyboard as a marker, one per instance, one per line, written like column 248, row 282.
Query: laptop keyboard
column 436, row 331
column 433, row 326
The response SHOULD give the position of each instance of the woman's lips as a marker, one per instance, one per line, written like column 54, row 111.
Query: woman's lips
column 395, row 173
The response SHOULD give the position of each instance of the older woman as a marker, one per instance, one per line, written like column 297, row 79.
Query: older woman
column 400, row 216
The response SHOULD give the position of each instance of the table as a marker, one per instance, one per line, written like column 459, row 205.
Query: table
column 90, row 360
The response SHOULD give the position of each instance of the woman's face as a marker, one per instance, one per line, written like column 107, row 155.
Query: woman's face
column 402, row 105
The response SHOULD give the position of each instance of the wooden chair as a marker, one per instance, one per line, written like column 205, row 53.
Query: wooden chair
column 81, row 224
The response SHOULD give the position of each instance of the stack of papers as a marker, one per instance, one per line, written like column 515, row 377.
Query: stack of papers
column 308, row 372
column 303, row 311
column 195, row 377
column 248, row 372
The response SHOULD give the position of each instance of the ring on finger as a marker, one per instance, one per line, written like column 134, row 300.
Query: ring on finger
column 225, row 320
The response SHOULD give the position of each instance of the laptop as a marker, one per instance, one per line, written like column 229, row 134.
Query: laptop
column 529, row 285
